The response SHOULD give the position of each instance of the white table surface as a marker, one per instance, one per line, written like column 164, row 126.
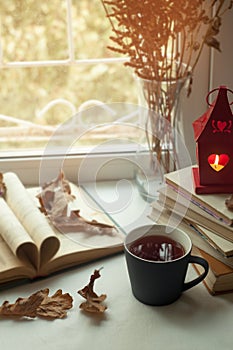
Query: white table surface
column 197, row 321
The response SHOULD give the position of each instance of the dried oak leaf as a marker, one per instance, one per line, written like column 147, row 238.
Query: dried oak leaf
column 23, row 306
column 93, row 302
column 55, row 196
column 55, row 306
column 75, row 223
column 39, row 304
column 54, row 200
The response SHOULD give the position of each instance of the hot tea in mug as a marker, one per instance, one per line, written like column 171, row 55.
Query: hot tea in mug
column 157, row 248
column 157, row 259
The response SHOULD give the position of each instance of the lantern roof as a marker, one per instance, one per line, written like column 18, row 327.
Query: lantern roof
column 220, row 108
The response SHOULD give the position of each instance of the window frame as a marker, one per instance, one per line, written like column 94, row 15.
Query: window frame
column 116, row 165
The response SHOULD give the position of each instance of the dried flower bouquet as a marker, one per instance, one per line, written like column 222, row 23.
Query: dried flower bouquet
column 164, row 40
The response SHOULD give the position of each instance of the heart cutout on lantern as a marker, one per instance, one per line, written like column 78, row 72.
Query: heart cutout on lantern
column 218, row 161
column 221, row 125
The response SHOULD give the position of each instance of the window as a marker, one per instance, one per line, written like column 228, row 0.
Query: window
column 53, row 59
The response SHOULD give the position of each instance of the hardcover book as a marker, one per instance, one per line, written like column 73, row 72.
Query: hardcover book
column 219, row 279
column 213, row 204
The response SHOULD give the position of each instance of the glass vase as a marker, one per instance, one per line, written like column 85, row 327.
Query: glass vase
column 160, row 148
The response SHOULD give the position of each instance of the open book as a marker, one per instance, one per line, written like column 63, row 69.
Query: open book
column 31, row 245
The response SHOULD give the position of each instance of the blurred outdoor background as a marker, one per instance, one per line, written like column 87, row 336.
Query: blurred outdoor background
column 39, row 64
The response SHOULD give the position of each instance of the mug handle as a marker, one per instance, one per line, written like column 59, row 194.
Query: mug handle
column 203, row 263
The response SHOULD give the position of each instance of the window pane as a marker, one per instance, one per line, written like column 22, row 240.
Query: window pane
column 26, row 91
column 44, row 96
column 91, row 30
column 33, row 30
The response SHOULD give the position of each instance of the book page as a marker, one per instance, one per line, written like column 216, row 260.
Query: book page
column 15, row 235
column 11, row 267
column 72, row 252
column 34, row 222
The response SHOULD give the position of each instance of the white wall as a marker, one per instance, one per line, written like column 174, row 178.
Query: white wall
column 222, row 65
column 213, row 69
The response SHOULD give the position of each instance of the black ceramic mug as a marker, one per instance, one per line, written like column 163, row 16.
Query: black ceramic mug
column 160, row 281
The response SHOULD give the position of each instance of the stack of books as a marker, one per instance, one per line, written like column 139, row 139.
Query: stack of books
column 206, row 219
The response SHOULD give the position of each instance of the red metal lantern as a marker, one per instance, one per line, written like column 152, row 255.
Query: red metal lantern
column 213, row 133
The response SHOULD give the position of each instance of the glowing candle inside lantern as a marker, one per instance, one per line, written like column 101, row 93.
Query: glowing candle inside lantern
column 216, row 164
column 218, row 161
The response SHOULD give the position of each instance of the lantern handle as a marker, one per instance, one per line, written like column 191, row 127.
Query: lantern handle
column 207, row 97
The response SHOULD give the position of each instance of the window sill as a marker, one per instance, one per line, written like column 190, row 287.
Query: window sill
column 121, row 201
column 34, row 169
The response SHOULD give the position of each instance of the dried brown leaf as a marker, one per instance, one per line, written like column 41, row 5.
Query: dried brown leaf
column 91, row 305
column 55, row 306
column 55, row 196
column 93, row 302
column 39, row 304
column 213, row 42
column 75, row 223
column 23, row 306
column 54, row 200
